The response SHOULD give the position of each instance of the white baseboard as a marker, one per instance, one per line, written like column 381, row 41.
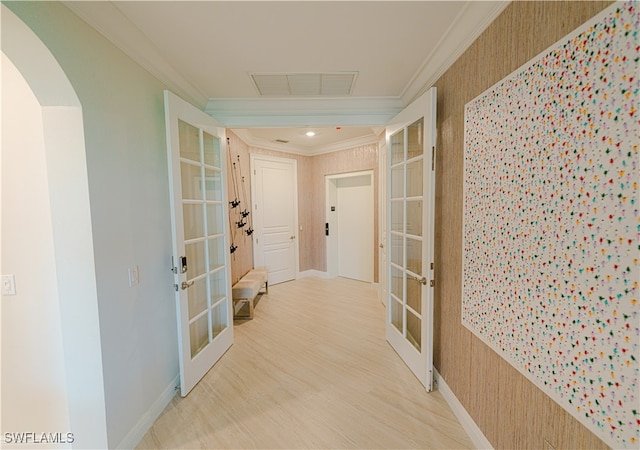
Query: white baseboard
column 476, row 435
column 313, row 273
column 135, row 435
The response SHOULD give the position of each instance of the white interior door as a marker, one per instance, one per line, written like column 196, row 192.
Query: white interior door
column 199, row 219
column 275, row 214
column 411, row 175
column 349, row 225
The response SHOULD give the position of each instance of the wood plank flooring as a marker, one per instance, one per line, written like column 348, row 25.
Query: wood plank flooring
column 311, row 370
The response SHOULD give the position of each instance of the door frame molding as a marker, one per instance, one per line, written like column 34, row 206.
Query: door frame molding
column 253, row 157
column 331, row 190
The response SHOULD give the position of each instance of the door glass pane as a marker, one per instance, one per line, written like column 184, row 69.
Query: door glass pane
column 193, row 224
column 197, row 295
column 396, row 314
column 189, row 141
column 199, row 335
column 219, row 318
column 397, row 147
column 215, row 224
column 217, row 283
column 414, row 255
column 396, row 282
column 213, row 184
column 216, row 252
column 397, row 216
column 191, row 181
column 211, row 150
column 396, row 250
column 414, row 179
column 415, row 140
column 414, row 217
column 397, row 182
column 414, row 330
column 195, row 259
column 414, row 294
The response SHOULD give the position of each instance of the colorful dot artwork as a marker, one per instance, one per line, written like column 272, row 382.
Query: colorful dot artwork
column 551, row 222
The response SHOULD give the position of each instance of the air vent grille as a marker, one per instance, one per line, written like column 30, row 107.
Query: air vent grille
column 333, row 84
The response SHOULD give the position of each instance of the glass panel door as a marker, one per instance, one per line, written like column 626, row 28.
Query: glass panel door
column 201, row 256
column 410, row 223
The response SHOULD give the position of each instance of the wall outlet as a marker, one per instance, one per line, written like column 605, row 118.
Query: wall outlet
column 8, row 285
column 134, row 276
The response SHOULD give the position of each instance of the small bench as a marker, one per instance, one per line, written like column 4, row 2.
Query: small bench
column 261, row 274
column 247, row 289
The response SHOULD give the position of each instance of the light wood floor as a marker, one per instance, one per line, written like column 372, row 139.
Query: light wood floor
column 312, row 370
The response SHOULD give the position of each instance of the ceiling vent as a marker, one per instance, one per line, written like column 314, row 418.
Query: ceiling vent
column 333, row 84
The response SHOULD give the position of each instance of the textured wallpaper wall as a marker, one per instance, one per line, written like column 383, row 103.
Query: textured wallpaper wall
column 550, row 266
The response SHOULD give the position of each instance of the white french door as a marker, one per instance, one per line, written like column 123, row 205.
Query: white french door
column 274, row 189
column 410, row 207
column 199, row 222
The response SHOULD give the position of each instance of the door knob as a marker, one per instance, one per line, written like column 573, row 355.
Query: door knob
column 187, row 284
column 422, row 280
column 381, row 245
column 292, row 238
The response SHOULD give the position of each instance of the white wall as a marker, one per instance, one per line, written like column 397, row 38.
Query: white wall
column 34, row 394
column 129, row 196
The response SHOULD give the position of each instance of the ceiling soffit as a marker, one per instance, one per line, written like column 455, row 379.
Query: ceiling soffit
column 107, row 19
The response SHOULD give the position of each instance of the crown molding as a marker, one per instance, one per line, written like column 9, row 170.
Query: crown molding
column 464, row 30
column 246, row 136
column 293, row 112
column 108, row 20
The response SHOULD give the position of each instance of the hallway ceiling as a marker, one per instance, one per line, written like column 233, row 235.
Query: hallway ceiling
column 319, row 64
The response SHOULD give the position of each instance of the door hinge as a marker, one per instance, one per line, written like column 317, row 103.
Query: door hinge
column 431, row 266
column 432, row 283
column 433, row 158
column 176, row 287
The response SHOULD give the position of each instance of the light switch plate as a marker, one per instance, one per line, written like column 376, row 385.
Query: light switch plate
column 8, row 285
column 134, row 276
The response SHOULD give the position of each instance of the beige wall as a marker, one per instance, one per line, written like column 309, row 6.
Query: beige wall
column 351, row 160
column 510, row 410
column 311, row 202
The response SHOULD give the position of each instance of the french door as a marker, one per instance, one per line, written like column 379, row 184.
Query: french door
column 410, row 209
column 199, row 222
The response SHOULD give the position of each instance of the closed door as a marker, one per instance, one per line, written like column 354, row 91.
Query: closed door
column 355, row 227
column 411, row 160
column 274, row 190
column 201, row 263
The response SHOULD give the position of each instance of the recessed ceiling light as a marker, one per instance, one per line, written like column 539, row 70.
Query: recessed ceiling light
column 310, row 133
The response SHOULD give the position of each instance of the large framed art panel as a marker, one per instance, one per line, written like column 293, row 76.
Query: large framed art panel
column 551, row 224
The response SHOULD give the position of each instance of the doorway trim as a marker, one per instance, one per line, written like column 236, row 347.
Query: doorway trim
column 66, row 165
column 332, row 239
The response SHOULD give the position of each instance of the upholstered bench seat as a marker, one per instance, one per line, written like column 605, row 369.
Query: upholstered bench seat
column 244, row 292
column 261, row 274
